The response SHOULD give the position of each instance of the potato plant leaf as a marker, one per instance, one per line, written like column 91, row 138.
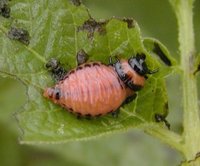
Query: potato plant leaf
column 60, row 29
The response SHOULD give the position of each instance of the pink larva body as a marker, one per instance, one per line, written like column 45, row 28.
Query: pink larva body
column 91, row 89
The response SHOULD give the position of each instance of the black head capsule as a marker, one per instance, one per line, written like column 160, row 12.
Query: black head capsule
column 139, row 65
column 133, row 72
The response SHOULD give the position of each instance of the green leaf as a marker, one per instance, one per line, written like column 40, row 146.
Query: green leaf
column 157, row 48
column 60, row 29
column 160, row 52
column 193, row 162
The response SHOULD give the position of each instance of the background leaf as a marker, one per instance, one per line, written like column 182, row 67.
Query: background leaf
column 55, row 31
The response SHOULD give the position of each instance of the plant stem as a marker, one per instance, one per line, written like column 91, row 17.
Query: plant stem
column 166, row 136
column 191, row 121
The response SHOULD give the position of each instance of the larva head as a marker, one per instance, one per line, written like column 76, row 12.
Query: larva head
column 139, row 65
column 52, row 94
column 133, row 72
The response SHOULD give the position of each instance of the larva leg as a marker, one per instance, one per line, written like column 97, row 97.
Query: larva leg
column 130, row 99
column 115, row 113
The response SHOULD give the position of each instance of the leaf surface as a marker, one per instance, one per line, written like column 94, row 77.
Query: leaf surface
column 60, row 29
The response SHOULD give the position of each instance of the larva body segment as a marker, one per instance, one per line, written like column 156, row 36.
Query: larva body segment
column 91, row 89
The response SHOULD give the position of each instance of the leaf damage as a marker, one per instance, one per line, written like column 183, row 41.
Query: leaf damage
column 130, row 22
column 58, row 72
column 4, row 8
column 81, row 57
column 19, row 34
column 92, row 26
column 76, row 2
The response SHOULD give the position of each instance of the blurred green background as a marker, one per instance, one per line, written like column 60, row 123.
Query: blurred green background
column 156, row 19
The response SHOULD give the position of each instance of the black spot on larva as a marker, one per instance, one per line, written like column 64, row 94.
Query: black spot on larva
column 133, row 86
column 130, row 22
column 81, row 57
column 19, row 34
column 51, row 96
column 95, row 64
column 128, row 82
column 4, row 8
column 79, row 68
column 126, row 78
column 98, row 115
column 66, row 77
column 87, row 65
column 130, row 99
column 71, row 72
column 78, row 115
column 76, row 2
column 158, row 51
column 119, row 71
column 92, row 26
column 57, row 94
column 64, row 105
column 70, row 110
column 88, row 116
column 103, row 64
